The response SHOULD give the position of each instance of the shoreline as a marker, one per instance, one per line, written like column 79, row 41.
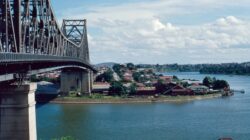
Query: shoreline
column 135, row 100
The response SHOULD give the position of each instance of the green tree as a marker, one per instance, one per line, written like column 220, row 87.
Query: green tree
column 130, row 66
column 136, row 76
column 105, row 77
column 220, row 84
column 185, row 84
column 175, row 77
column 207, row 81
column 117, row 88
column 117, row 68
column 132, row 89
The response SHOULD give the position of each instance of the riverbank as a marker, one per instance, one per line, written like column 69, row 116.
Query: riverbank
column 125, row 100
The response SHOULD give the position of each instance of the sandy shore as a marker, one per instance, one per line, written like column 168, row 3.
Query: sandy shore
column 161, row 99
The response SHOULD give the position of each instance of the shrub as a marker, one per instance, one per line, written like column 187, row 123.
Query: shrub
column 117, row 88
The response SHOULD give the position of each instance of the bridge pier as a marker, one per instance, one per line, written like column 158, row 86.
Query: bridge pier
column 76, row 80
column 17, row 112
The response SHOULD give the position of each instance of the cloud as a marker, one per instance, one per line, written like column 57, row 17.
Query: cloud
column 141, row 33
column 156, row 41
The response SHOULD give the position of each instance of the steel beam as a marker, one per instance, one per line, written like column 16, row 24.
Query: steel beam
column 17, row 24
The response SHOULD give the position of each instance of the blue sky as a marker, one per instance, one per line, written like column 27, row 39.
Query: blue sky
column 163, row 31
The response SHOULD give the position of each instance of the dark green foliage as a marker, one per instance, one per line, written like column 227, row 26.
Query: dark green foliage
column 216, row 84
column 175, row 77
column 118, row 69
column 230, row 68
column 132, row 89
column 225, row 68
column 137, row 76
column 131, row 66
column 160, row 75
column 177, row 68
column 185, row 84
column 105, row 77
column 207, row 81
column 117, row 88
column 220, row 84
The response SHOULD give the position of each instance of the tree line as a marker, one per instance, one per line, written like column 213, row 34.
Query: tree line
column 224, row 68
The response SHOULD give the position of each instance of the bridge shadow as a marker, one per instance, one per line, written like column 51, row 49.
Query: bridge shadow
column 46, row 92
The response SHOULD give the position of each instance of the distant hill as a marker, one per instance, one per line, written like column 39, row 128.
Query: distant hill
column 107, row 64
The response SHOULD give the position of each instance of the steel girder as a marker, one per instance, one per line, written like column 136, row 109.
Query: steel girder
column 30, row 27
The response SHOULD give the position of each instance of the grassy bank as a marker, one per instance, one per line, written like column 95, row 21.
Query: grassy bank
column 102, row 99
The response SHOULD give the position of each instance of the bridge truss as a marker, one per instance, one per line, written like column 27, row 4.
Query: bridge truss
column 30, row 34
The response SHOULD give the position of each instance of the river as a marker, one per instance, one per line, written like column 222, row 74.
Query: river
column 196, row 120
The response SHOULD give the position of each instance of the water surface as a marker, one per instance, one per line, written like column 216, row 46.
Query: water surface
column 201, row 120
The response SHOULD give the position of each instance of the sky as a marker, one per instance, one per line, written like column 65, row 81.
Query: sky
column 163, row 31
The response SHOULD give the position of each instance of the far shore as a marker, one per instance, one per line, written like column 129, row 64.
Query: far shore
column 126, row 100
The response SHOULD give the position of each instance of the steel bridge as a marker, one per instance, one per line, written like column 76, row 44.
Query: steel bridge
column 32, row 41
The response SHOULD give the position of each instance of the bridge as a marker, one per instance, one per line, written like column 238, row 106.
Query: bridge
column 32, row 42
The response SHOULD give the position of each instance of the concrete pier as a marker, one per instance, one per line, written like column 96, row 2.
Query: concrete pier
column 17, row 112
column 76, row 80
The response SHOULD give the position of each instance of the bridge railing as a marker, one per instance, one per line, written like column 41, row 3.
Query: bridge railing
column 19, row 57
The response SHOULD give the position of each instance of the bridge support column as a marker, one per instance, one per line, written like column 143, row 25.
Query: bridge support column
column 17, row 112
column 86, row 85
column 76, row 80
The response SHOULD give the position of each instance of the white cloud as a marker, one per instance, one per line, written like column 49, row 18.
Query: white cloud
column 140, row 33
column 156, row 41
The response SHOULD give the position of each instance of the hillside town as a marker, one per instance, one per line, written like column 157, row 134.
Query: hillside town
column 128, row 79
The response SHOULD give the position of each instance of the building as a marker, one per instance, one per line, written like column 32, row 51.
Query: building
column 101, row 87
column 128, row 77
column 146, row 91
column 191, row 82
column 179, row 90
column 166, row 79
column 199, row 89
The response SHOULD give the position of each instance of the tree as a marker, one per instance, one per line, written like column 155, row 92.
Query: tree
column 132, row 89
column 185, row 84
column 117, row 68
column 117, row 88
column 220, row 84
column 137, row 76
column 105, row 77
column 130, row 66
column 175, row 77
column 207, row 81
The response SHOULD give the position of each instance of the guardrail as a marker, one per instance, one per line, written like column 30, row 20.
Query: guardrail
column 10, row 58
column 17, row 57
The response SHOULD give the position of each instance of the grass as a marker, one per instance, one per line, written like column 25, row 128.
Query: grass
column 93, row 96
column 100, row 98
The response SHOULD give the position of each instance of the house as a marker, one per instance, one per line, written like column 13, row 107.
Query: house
column 145, row 91
column 128, row 77
column 101, row 87
column 179, row 90
column 199, row 89
column 191, row 82
column 140, row 85
column 166, row 79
